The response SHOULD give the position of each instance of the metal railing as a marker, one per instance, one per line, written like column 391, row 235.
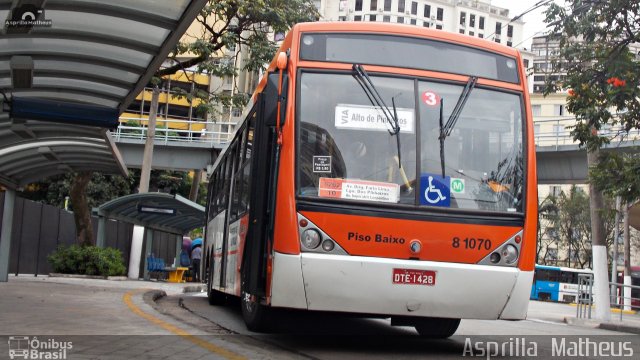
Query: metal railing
column 561, row 134
column 165, row 134
column 619, row 300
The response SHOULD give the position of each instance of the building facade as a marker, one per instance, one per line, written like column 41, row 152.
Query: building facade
column 477, row 18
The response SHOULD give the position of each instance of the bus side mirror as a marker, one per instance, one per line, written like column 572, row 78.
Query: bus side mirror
column 271, row 99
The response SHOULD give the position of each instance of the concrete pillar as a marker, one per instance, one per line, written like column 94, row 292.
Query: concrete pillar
column 5, row 235
column 136, row 251
column 102, row 232
column 147, row 251
column 178, row 250
column 138, row 231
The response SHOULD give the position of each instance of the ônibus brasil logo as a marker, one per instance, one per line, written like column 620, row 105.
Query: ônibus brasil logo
column 25, row 347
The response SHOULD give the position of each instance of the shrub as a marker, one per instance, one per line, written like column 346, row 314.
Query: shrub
column 87, row 260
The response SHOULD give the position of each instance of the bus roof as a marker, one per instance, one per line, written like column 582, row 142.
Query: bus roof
column 404, row 30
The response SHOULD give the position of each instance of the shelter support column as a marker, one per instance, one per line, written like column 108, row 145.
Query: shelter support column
column 136, row 250
column 178, row 250
column 147, row 252
column 5, row 235
column 102, row 231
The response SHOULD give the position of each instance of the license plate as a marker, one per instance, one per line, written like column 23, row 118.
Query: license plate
column 414, row 277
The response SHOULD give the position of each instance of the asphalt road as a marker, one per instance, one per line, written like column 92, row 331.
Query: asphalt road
column 116, row 320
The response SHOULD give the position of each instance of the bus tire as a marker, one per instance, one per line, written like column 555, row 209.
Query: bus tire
column 215, row 297
column 437, row 328
column 255, row 315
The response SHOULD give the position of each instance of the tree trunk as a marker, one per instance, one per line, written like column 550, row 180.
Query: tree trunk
column 195, row 185
column 599, row 246
column 81, row 212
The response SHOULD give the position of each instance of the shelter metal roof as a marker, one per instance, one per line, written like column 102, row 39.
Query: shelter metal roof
column 92, row 53
column 31, row 150
column 187, row 215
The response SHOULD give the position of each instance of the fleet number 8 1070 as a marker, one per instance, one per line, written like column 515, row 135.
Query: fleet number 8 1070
column 471, row 243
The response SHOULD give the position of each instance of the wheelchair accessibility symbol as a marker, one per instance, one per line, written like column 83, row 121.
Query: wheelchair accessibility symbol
column 435, row 190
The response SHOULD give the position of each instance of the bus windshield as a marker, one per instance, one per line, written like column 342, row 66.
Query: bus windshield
column 346, row 152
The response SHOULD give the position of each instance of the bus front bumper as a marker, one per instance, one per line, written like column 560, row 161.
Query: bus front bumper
column 365, row 285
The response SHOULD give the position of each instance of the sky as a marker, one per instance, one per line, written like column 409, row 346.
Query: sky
column 534, row 21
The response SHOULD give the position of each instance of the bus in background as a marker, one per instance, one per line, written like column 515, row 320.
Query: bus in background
column 381, row 170
column 635, row 281
column 559, row 284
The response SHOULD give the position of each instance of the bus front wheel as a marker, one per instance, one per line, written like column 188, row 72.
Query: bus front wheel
column 437, row 328
column 255, row 315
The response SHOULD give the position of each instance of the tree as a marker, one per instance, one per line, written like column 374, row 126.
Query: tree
column 602, row 82
column 226, row 24
column 244, row 25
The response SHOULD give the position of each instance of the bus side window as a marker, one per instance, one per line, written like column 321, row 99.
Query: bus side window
column 246, row 168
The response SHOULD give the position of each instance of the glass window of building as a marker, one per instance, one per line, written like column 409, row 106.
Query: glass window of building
column 413, row 21
column 439, row 27
column 536, row 110
column 509, row 30
column 498, row 28
column 374, row 5
column 481, row 23
column 358, row 5
column 387, row 5
column 440, row 14
column 427, row 10
column 414, row 8
column 400, row 19
column 509, row 43
column 472, row 20
column 481, row 36
column 471, row 33
column 386, row 18
column 463, row 18
column 401, row 6
column 372, row 18
column 357, row 18
column 462, row 31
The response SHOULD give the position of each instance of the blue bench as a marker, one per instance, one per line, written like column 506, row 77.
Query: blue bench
column 156, row 267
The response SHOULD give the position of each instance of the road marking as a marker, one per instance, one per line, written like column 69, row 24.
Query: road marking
column 178, row 331
column 546, row 322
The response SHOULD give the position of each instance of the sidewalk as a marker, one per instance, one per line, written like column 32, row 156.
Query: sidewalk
column 167, row 287
column 566, row 313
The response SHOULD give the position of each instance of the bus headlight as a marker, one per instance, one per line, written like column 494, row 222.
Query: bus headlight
column 509, row 254
column 311, row 238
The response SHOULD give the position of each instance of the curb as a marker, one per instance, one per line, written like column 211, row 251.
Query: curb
column 620, row 328
column 594, row 324
column 193, row 289
column 93, row 277
column 152, row 296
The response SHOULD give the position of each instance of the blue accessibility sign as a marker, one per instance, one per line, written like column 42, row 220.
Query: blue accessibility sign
column 435, row 190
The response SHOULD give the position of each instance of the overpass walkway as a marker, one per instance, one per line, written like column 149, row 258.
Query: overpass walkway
column 560, row 159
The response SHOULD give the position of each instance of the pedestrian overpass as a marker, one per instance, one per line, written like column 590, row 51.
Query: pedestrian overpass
column 559, row 159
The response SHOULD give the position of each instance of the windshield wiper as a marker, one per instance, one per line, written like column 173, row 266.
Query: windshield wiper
column 361, row 76
column 446, row 129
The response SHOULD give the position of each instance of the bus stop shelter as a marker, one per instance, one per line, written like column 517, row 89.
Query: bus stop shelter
column 168, row 213
column 68, row 69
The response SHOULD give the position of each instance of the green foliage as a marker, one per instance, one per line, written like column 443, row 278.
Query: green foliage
column 244, row 25
column 617, row 174
column 602, row 73
column 87, row 260
column 100, row 189
column 565, row 224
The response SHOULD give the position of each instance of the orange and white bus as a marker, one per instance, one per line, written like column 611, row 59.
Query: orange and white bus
column 383, row 170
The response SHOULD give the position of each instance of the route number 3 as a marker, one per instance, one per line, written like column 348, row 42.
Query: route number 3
column 430, row 98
